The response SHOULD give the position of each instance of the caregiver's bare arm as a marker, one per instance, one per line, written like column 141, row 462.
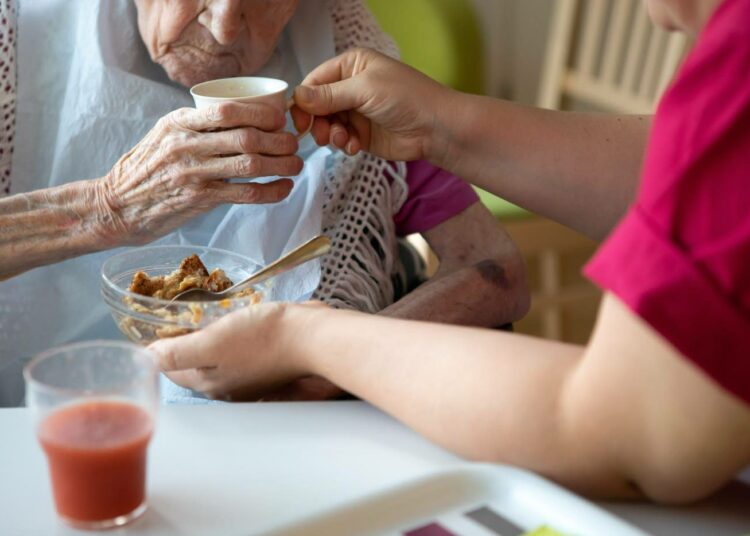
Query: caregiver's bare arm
column 481, row 280
column 580, row 169
column 175, row 173
column 626, row 416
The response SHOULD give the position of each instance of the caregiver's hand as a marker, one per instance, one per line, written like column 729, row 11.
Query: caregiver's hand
column 363, row 100
column 177, row 171
column 244, row 355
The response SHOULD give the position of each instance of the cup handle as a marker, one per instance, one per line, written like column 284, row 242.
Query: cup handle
column 305, row 132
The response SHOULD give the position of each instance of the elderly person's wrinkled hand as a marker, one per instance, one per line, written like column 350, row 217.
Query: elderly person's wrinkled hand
column 176, row 172
column 179, row 169
column 364, row 100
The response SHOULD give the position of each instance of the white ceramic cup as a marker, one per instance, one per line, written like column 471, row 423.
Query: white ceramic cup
column 245, row 89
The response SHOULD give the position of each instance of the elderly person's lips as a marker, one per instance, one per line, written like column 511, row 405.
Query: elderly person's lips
column 189, row 65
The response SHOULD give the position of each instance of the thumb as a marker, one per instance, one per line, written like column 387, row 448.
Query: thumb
column 327, row 99
column 179, row 353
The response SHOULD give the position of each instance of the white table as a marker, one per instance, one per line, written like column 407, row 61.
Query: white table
column 238, row 469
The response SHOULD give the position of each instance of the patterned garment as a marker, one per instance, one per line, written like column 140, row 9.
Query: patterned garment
column 8, row 92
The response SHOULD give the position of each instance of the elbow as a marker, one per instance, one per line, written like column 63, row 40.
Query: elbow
column 678, row 482
column 506, row 279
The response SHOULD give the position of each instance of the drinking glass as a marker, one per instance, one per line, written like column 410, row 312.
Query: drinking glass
column 94, row 407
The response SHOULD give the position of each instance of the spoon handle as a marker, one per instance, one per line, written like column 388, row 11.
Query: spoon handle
column 318, row 246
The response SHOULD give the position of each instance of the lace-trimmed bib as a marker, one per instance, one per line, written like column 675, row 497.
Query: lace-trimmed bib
column 8, row 92
column 362, row 194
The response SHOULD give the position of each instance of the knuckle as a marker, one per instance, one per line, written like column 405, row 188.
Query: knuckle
column 248, row 140
column 251, row 194
column 326, row 94
column 278, row 117
column 287, row 143
column 170, row 145
column 262, row 114
column 220, row 113
column 248, row 166
column 194, row 196
column 166, row 122
column 176, row 117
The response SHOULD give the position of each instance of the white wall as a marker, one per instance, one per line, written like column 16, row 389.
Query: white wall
column 515, row 33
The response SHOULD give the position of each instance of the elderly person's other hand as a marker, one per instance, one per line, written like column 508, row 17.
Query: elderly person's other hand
column 364, row 100
column 177, row 171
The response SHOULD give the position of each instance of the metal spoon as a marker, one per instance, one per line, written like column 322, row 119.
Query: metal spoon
column 318, row 246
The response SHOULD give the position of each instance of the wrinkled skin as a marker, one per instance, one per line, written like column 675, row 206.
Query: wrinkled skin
column 199, row 40
column 177, row 171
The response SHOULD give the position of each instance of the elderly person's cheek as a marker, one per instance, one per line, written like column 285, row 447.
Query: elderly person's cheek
column 195, row 57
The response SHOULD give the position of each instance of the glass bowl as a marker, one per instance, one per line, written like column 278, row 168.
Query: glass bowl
column 144, row 319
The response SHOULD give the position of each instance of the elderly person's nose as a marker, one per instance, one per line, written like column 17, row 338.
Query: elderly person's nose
column 223, row 18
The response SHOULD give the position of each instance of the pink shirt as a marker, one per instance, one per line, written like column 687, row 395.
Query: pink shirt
column 434, row 197
column 681, row 257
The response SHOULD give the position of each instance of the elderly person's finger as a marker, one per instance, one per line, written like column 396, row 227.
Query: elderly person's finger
column 252, row 193
column 249, row 166
column 230, row 115
column 246, row 141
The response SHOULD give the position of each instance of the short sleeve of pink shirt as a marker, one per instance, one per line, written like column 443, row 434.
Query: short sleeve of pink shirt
column 435, row 196
column 680, row 259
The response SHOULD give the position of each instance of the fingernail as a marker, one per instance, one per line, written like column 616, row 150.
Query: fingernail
column 339, row 139
column 349, row 148
column 304, row 94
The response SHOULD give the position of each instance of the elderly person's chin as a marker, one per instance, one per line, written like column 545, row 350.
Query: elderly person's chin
column 188, row 66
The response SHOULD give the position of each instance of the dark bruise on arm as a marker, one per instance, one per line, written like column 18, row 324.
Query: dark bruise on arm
column 493, row 273
column 481, row 280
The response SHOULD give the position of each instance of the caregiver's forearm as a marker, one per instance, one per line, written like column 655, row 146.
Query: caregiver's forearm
column 486, row 395
column 581, row 169
column 50, row 225
column 484, row 295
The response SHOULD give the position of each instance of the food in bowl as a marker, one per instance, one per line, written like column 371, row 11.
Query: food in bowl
column 192, row 273
column 138, row 285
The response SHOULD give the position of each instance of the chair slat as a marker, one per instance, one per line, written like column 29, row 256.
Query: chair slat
column 616, row 39
column 636, row 48
column 605, row 96
column 654, row 60
column 558, row 48
column 593, row 26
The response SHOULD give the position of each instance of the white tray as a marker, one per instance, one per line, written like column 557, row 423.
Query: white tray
column 478, row 500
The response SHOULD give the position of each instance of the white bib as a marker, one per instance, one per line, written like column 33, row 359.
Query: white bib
column 88, row 92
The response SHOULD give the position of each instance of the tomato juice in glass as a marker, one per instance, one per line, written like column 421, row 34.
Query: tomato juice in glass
column 94, row 405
